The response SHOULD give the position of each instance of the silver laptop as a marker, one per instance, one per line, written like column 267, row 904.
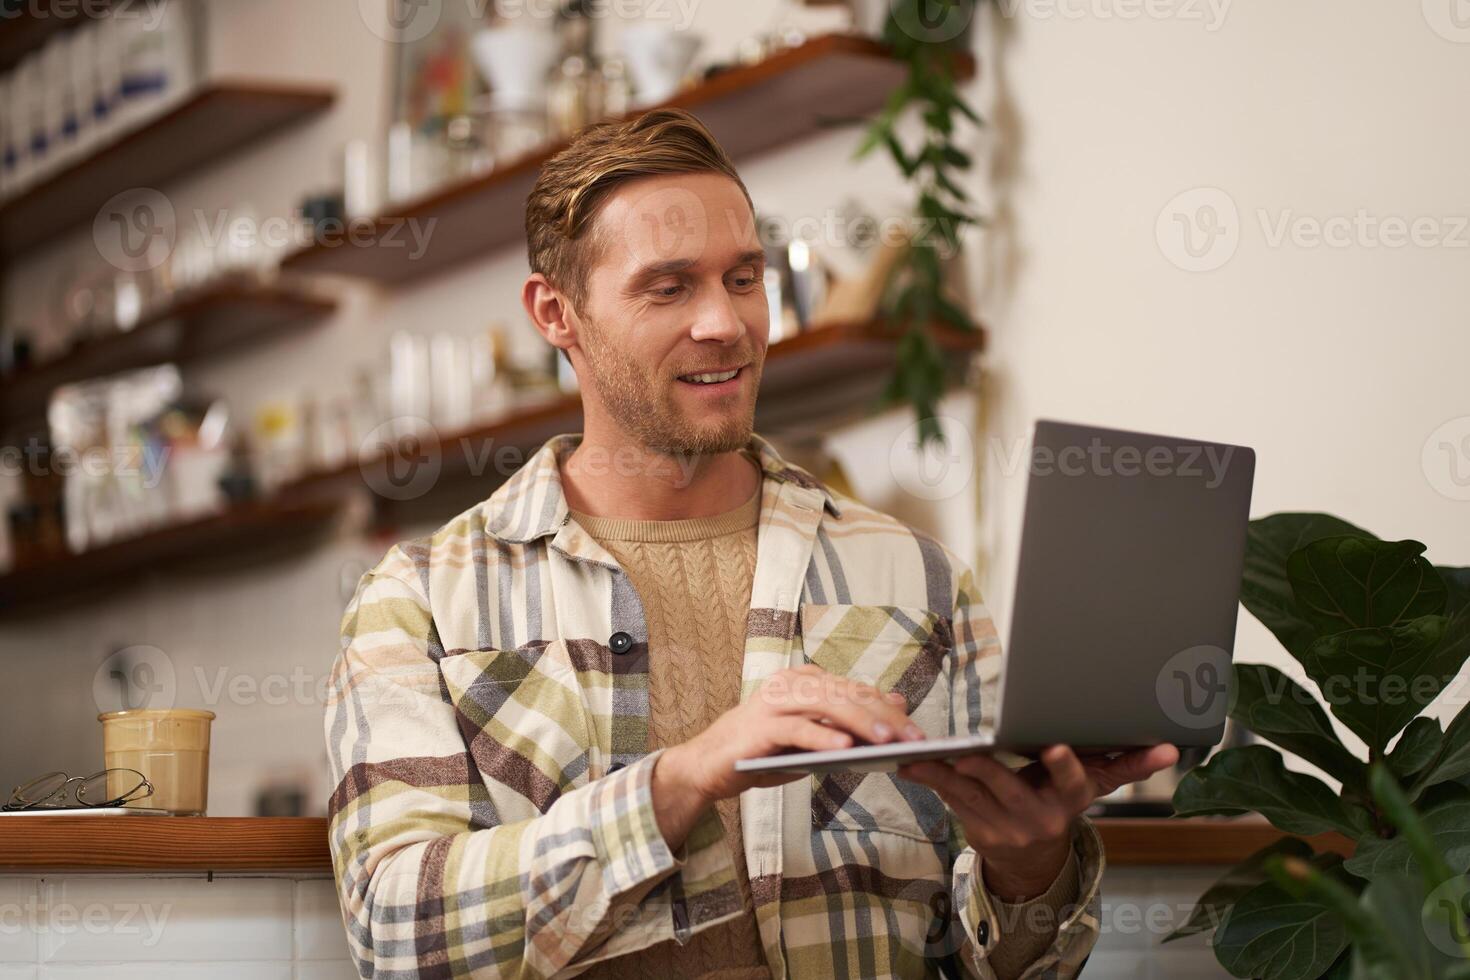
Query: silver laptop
column 1123, row 624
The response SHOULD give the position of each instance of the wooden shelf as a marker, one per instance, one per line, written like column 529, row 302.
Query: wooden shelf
column 225, row 540
column 214, row 122
column 750, row 109
column 220, row 318
column 809, row 376
column 286, row 845
column 25, row 25
column 298, row 845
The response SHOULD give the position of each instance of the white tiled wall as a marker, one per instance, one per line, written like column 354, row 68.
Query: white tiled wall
column 1140, row 907
column 139, row 928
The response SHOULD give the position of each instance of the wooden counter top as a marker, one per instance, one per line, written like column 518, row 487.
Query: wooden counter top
column 298, row 845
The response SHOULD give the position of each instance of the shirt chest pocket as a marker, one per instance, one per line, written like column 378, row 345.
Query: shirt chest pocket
column 524, row 723
column 894, row 648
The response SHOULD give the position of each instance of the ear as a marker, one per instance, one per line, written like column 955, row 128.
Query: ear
column 550, row 312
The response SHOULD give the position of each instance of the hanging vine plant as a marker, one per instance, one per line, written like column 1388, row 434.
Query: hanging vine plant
column 928, row 37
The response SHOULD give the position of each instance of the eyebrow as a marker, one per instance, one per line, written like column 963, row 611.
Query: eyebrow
column 652, row 271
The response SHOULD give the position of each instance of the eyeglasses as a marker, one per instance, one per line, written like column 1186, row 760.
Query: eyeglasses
column 58, row 791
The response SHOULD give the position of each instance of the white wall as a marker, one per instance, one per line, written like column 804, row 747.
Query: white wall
column 1336, row 364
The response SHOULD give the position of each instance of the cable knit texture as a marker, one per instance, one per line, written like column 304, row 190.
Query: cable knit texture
column 694, row 578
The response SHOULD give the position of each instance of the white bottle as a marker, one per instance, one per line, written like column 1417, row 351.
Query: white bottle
column 56, row 101
column 107, row 96
column 81, row 66
column 27, row 114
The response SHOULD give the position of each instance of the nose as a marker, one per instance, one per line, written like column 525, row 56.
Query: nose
column 716, row 319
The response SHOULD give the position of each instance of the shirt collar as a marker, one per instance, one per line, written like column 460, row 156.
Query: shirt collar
column 531, row 505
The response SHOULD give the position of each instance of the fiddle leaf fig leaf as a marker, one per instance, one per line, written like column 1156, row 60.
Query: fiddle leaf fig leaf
column 1448, row 826
column 1348, row 582
column 1451, row 761
column 1378, row 680
column 1417, row 748
column 1212, row 906
column 1273, row 935
column 1253, row 778
column 1265, row 589
column 1280, row 710
column 1409, row 943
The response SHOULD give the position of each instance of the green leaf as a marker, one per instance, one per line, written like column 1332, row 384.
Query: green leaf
column 1253, row 778
column 1265, row 590
column 1447, row 824
column 1452, row 761
column 1210, row 910
column 1378, row 680
column 1400, row 948
column 1273, row 935
column 1349, row 582
column 1396, row 808
column 1280, row 710
column 1417, row 748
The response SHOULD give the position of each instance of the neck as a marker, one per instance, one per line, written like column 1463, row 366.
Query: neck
column 612, row 475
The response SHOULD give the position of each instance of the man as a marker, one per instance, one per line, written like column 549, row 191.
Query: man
column 538, row 708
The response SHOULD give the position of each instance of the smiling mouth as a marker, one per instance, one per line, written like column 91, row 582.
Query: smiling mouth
column 711, row 377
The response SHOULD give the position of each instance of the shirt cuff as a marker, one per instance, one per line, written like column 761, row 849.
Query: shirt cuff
column 633, row 854
column 985, row 925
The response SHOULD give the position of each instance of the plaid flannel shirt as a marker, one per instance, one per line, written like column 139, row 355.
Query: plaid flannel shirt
column 488, row 736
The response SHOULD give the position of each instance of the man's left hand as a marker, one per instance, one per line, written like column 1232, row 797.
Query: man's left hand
column 1020, row 822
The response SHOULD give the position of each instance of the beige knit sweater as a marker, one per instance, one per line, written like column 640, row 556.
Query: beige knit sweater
column 694, row 579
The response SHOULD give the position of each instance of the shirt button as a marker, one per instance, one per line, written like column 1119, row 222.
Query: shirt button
column 620, row 642
column 983, row 933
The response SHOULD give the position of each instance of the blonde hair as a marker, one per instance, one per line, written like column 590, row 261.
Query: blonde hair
column 575, row 182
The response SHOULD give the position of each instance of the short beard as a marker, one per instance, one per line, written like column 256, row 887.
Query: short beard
column 642, row 404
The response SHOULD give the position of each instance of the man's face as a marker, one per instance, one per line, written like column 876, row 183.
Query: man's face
column 673, row 324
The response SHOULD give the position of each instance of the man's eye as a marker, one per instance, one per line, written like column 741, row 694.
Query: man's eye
column 668, row 292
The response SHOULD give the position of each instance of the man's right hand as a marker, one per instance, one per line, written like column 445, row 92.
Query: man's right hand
column 800, row 708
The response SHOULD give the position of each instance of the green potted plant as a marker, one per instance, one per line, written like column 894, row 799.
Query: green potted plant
column 1380, row 633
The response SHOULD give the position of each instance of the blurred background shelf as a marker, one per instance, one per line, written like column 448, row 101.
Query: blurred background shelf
column 24, row 26
column 232, row 314
column 211, row 124
column 235, row 537
column 826, row 81
column 810, row 381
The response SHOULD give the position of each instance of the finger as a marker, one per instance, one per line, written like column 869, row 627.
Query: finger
column 802, row 733
column 1131, row 767
column 1069, row 785
column 856, row 708
column 970, row 802
column 1018, row 799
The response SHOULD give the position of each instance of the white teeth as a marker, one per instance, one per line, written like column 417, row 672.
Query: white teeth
column 710, row 379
